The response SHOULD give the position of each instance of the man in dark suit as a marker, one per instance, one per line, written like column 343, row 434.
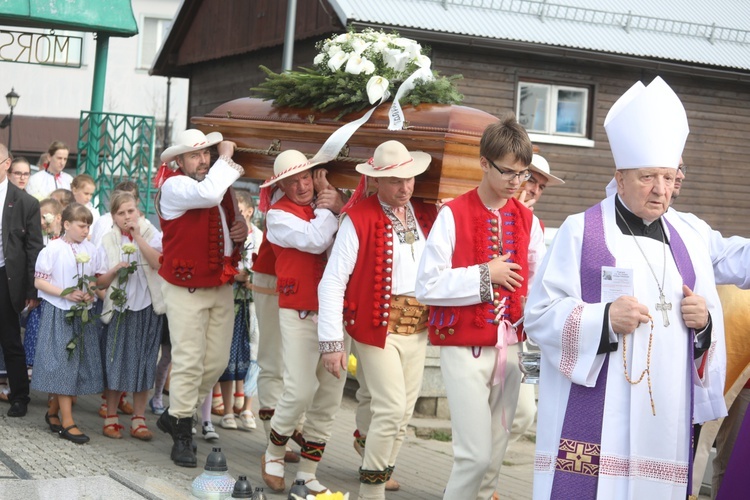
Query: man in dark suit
column 21, row 242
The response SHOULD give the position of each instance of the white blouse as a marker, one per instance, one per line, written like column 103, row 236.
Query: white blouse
column 57, row 264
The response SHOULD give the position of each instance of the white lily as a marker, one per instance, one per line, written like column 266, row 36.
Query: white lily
column 333, row 49
column 356, row 65
column 368, row 67
column 359, row 45
column 319, row 59
column 395, row 59
column 377, row 86
column 423, row 61
column 342, row 38
column 337, row 60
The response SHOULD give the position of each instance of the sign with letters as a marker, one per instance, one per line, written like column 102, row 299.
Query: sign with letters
column 41, row 48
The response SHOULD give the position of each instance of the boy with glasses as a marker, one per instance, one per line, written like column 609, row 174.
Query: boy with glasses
column 474, row 273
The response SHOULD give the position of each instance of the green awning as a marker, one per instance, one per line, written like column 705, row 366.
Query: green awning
column 113, row 17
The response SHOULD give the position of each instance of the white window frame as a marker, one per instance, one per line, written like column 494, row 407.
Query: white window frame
column 550, row 136
column 161, row 35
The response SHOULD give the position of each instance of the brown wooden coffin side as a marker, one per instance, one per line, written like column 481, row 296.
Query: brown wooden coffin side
column 449, row 133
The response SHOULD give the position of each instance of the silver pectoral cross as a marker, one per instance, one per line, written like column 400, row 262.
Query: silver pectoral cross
column 664, row 306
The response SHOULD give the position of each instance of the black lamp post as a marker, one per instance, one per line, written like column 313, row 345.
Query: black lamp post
column 12, row 99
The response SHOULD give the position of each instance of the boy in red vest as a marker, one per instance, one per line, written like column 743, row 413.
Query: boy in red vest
column 301, row 228
column 203, row 234
column 371, row 277
column 474, row 273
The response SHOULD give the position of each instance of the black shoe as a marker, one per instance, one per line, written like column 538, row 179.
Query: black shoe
column 164, row 422
column 17, row 409
column 182, row 449
column 75, row 438
column 56, row 428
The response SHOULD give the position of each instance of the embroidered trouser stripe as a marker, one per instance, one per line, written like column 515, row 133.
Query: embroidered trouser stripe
column 313, row 451
column 277, row 439
column 266, row 413
column 373, row 476
column 389, row 472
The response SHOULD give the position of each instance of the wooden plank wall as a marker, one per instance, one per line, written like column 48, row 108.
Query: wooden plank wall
column 224, row 28
column 717, row 188
column 717, row 152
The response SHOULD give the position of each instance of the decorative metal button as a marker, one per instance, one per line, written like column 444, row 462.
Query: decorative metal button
column 493, row 229
column 387, row 297
column 384, row 323
column 496, row 303
column 388, row 226
column 493, row 222
column 389, row 252
column 389, row 261
column 388, row 269
column 495, row 321
column 385, row 315
column 442, row 337
column 389, row 243
column 493, row 238
column 386, row 306
column 494, row 247
column 387, row 279
column 387, row 288
column 451, row 331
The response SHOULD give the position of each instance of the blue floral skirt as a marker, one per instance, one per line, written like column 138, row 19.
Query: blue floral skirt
column 239, row 353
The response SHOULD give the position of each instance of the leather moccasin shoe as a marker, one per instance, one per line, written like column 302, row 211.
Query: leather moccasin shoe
column 17, row 409
column 275, row 483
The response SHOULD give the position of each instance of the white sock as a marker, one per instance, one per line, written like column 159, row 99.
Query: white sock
column 274, row 468
column 310, row 481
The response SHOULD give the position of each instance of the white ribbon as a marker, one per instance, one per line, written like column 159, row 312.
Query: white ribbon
column 396, row 114
column 331, row 148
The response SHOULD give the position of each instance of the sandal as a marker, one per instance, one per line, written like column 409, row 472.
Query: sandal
column 53, row 427
column 217, row 405
column 75, row 438
column 141, row 431
column 124, row 406
column 113, row 430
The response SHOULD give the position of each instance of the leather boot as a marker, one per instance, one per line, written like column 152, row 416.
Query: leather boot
column 164, row 423
column 182, row 449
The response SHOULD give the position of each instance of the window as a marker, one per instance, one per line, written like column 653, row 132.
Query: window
column 554, row 113
column 153, row 34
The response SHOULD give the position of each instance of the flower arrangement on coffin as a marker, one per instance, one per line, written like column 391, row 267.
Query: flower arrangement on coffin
column 119, row 295
column 79, row 309
column 355, row 69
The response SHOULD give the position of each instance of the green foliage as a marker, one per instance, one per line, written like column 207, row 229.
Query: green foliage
column 349, row 71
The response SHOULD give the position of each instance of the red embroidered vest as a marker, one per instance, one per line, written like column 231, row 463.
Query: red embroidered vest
column 480, row 236
column 368, row 293
column 297, row 273
column 264, row 261
column 193, row 245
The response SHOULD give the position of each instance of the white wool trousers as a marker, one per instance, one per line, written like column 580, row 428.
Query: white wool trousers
column 478, row 411
column 270, row 354
column 201, row 322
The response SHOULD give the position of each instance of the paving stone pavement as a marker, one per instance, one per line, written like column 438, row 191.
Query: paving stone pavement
column 36, row 464
column 30, row 453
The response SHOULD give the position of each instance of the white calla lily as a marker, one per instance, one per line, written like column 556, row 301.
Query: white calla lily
column 377, row 86
column 395, row 59
column 423, row 61
column 359, row 45
column 354, row 65
column 319, row 59
column 333, row 49
column 337, row 60
column 368, row 67
column 342, row 38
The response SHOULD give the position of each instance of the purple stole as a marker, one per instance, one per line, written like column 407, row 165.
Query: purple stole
column 579, row 453
column 736, row 481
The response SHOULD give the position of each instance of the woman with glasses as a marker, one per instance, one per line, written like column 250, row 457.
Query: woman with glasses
column 19, row 172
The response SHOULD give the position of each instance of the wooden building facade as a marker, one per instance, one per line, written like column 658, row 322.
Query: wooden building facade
column 220, row 44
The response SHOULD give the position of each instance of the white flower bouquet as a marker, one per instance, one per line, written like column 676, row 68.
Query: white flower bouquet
column 357, row 69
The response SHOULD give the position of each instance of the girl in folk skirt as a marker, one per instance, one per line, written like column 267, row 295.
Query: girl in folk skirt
column 68, row 358
column 134, row 310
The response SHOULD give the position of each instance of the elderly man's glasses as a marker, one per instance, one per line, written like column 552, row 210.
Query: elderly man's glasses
column 682, row 168
column 509, row 175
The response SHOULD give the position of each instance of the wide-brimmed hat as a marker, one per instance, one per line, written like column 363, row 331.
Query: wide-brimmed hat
column 392, row 159
column 190, row 140
column 540, row 166
column 289, row 163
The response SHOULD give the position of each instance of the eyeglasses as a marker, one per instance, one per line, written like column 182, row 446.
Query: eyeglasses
column 509, row 175
column 21, row 174
column 682, row 168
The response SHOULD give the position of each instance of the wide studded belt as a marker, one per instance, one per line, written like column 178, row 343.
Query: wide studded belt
column 407, row 315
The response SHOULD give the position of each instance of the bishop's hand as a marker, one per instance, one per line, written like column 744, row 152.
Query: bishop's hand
column 694, row 310
column 626, row 314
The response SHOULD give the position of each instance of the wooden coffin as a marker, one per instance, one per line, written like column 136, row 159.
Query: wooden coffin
column 449, row 133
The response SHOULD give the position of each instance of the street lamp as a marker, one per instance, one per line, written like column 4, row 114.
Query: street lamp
column 12, row 99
